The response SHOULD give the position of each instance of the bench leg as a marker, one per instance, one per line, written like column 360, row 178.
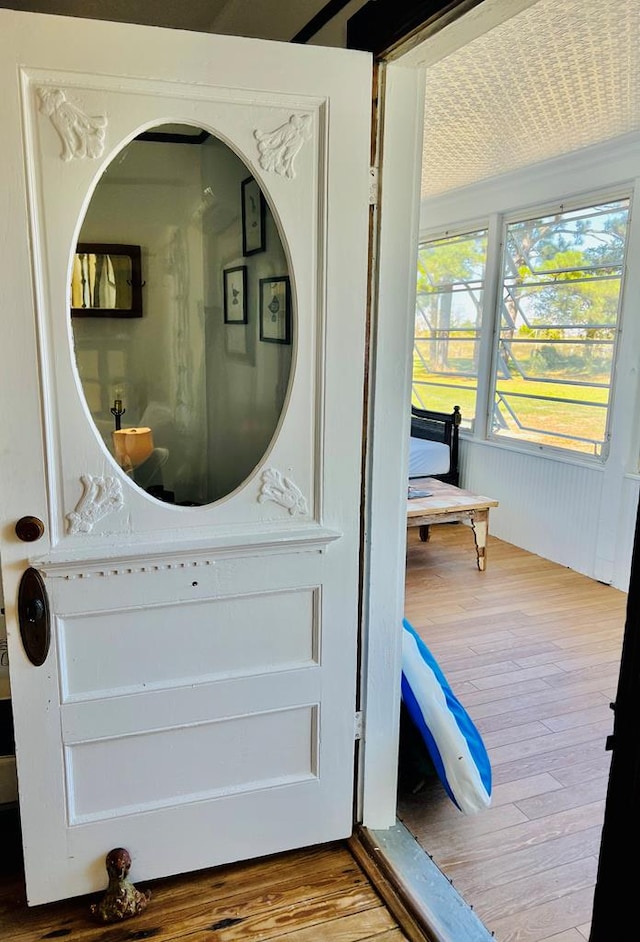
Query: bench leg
column 425, row 535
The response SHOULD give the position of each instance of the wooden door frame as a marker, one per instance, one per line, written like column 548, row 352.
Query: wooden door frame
column 395, row 229
column 397, row 140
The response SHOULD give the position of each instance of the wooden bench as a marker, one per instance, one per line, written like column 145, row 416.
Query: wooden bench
column 449, row 504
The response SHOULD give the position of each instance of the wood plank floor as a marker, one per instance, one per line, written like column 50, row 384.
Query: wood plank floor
column 319, row 894
column 532, row 650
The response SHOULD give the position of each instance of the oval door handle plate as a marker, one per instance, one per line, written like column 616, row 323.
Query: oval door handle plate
column 29, row 529
column 33, row 612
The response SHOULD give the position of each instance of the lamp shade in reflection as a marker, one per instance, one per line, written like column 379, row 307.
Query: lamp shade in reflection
column 132, row 446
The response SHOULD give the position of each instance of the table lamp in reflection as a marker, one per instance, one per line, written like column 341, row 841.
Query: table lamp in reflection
column 132, row 446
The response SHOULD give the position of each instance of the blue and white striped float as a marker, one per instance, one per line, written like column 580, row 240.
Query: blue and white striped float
column 452, row 740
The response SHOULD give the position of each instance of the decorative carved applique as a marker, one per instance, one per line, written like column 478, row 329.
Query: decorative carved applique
column 279, row 148
column 102, row 496
column 283, row 491
column 81, row 135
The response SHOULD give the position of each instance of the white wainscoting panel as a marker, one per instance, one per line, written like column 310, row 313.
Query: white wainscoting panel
column 626, row 531
column 548, row 507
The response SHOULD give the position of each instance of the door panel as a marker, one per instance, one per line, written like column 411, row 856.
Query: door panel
column 90, row 643
column 197, row 702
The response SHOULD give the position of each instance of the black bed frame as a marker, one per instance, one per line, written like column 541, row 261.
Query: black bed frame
column 439, row 427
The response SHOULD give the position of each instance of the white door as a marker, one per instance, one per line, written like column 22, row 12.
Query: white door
column 196, row 701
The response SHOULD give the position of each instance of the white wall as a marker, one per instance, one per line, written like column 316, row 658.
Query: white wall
column 153, row 363
column 575, row 511
column 247, row 379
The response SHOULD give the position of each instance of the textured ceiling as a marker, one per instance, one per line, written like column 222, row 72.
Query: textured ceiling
column 552, row 79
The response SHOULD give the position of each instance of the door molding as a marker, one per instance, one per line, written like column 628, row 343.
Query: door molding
column 315, row 539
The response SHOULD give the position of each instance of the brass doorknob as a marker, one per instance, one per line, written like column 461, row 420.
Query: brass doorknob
column 29, row 529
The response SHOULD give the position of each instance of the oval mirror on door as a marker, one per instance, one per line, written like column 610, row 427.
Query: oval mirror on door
column 182, row 315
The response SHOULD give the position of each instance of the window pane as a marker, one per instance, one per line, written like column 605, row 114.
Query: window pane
column 448, row 323
column 560, row 306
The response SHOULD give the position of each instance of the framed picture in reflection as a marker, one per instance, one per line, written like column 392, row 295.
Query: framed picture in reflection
column 253, row 217
column 275, row 310
column 235, row 295
column 106, row 280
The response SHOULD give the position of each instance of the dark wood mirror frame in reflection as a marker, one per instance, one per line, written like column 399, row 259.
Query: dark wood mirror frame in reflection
column 106, row 280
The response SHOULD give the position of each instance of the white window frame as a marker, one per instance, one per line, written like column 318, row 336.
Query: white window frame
column 496, row 226
column 483, row 225
column 536, row 212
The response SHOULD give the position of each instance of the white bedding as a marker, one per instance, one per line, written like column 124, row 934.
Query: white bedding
column 427, row 458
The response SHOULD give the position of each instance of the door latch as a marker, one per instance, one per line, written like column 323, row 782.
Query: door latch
column 33, row 614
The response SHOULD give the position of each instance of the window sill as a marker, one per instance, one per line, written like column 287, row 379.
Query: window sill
column 581, row 461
